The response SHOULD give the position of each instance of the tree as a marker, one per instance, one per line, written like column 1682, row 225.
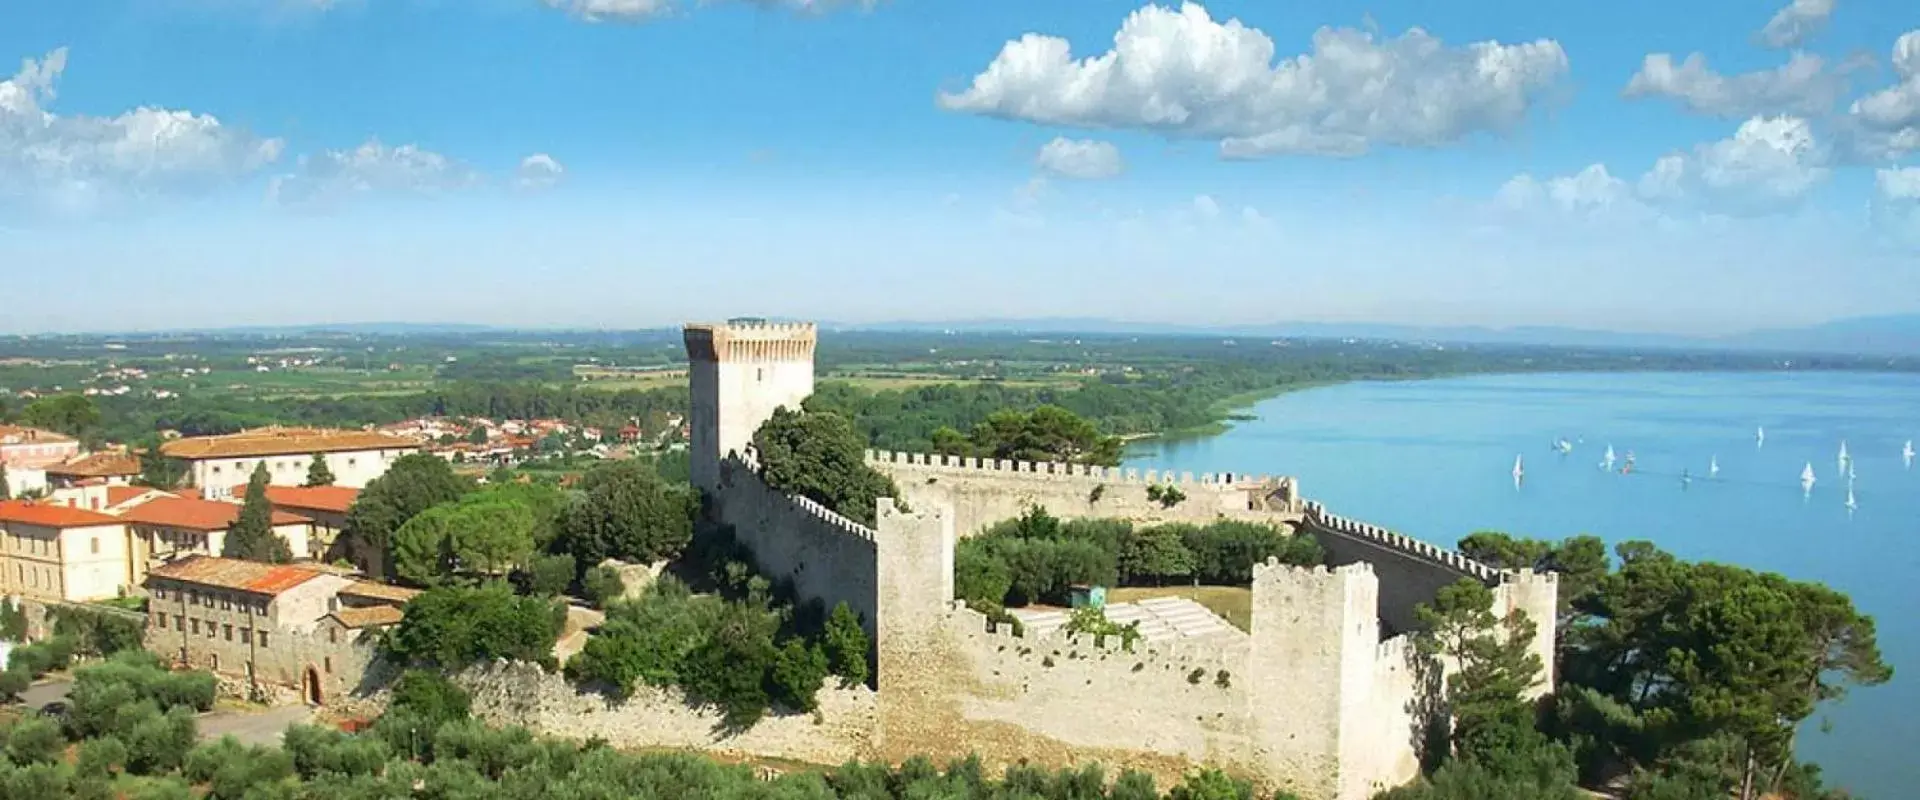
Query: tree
column 602, row 585
column 1493, row 665
column 1047, row 433
column 626, row 512
column 490, row 535
column 318, row 474
column 432, row 696
column 1155, row 553
column 798, row 672
column 6, row 491
column 156, row 470
column 818, row 455
column 411, row 485
column 846, row 646
column 549, row 575
column 71, row 414
column 420, row 548
column 454, row 626
column 252, row 536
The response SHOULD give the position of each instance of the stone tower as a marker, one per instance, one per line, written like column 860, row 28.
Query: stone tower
column 739, row 372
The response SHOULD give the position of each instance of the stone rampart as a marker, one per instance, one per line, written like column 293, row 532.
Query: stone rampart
column 523, row 694
column 827, row 556
column 1411, row 571
column 983, row 491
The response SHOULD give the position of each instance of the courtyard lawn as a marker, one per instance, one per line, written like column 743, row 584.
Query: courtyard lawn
column 1233, row 603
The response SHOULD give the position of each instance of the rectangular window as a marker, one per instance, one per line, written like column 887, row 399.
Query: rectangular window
column 96, row 545
column 179, row 622
column 227, row 630
column 212, row 629
column 246, row 636
column 326, row 663
column 225, row 604
column 216, row 660
column 333, row 636
column 263, row 638
column 160, row 619
column 195, row 625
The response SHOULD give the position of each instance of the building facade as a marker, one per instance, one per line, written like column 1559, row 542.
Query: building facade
column 739, row 373
column 101, row 469
column 222, row 463
column 33, row 448
column 277, row 630
column 60, row 554
column 170, row 528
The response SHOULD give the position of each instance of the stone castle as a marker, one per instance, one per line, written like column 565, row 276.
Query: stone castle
column 1324, row 697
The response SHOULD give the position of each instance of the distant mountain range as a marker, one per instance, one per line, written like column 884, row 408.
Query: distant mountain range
column 1883, row 335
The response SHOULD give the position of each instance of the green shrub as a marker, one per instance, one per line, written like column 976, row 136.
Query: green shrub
column 602, row 585
column 846, row 646
column 799, row 670
column 429, row 694
column 34, row 740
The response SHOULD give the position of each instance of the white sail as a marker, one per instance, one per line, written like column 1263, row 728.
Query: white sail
column 1850, row 504
column 1759, row 437
column 1713, row 467
column 1517, row 470
column 1844, row 458
column 1606, row 463
column 1806, row 475
column 1906, row 454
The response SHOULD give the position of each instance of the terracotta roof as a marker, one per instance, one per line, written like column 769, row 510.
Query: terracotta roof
column 16, row 434
column 369, row 617
column 97, row 465
column 284, row 441
column 121, row 494
column 196, row 515
column 229, row 573
column 314, row 498
column 380, row 591
column 45, row 515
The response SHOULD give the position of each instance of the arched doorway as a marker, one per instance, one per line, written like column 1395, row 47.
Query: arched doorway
column 310, row 686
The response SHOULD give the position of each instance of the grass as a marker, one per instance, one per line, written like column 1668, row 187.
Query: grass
column 1233, row 603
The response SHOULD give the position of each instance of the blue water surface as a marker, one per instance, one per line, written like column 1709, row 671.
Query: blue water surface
column 1434, row 459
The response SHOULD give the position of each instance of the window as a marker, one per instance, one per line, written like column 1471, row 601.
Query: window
column 333, row 636
column 228, row 631
column 216, row 659
column 350, row 462
column 226, row 604
column 160, row 619
column 195, row 625
column 159, row 593
column 326, row 663
column 246, row 636
column 179, row 622
column 96, row 545
column 240, row 465
column 263, row 638
column 212, row 629
column 760, row 374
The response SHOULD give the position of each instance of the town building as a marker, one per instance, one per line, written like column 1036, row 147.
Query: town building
column 55, row 553
column 355, row 458
column 272, row 629
column 171, row 527
column 108, row 468
column 325, row 507
column 33, row 448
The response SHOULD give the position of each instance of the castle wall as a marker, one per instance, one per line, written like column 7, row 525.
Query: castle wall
column 1537, row 594
column 827, row 556
column 738, row 375
column 1410, row 571
column 982, row 492
column 523, row 694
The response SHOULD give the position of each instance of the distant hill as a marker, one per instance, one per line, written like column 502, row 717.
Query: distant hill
column 1888, row 335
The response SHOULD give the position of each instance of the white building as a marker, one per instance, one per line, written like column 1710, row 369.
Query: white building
column 224, row 463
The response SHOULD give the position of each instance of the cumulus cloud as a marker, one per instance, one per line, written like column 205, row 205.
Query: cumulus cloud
column 1768, row 165
column 539, row 171
column 1793, row 25
column 1886, row 123
column 1087, row 159
column 78, row 160
column 646, row 10
column 372, row 167
column 1181, row 73
column 1805, row 85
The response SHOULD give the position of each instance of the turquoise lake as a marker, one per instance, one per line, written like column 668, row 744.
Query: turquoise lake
column 1434, row 459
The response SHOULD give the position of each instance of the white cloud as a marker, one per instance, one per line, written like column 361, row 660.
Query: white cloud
column 647, row 10
column 539, row 171
column 73, row 160
column 1805, row 85
column 1087, row 159
column 1793, row 25
column 1886, row 123
column 370, row 168
column 1898, row 184
column 1181, row 73
column 1895, row 207
column 1769, row 165
column 1206, row 206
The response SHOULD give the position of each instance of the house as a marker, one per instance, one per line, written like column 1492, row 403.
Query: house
column 56, row 553
column 108, row 468
column 104, row 498
column 325, row 507
column 354, row 457
column 33, row 448
column 172, row 527
column 272, row 628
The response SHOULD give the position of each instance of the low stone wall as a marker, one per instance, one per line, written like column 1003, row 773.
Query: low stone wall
column 844, row 728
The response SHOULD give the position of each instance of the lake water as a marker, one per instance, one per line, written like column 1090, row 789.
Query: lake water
column 1434, row 459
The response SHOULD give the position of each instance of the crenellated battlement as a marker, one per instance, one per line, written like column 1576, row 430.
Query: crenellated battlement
column 751, row 341
column 1318, row 515
column 741, row 474
column 935, row 462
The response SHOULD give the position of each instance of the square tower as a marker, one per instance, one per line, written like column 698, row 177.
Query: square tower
column 738, row 373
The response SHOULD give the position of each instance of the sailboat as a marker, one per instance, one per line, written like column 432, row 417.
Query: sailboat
column 1563, row 446
column 1906, row 454
column 1713, row 468
column 1518, row 472
column 1844, row 458
column 1629, row 466
column 1850, row 504
column 1806, row 477
column 1607, row 462
column 1759, row 438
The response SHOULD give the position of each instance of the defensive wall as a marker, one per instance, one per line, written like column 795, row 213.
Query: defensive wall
column 826, row 556
column 983, row 491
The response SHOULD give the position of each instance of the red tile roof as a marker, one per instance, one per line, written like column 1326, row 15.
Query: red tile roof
column 97, row 465
column 230, row 573
column 283, row 442
column 336, row 499
column 27, row 512
column 196, row 515
column 121, row 494
column 15, row 434
column 369, row 617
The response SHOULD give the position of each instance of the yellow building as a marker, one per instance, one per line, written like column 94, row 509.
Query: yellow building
column 61, row 554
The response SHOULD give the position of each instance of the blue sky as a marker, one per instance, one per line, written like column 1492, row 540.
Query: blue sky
column 626, row 163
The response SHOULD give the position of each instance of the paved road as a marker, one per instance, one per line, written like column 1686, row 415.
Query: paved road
column 262, row 726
